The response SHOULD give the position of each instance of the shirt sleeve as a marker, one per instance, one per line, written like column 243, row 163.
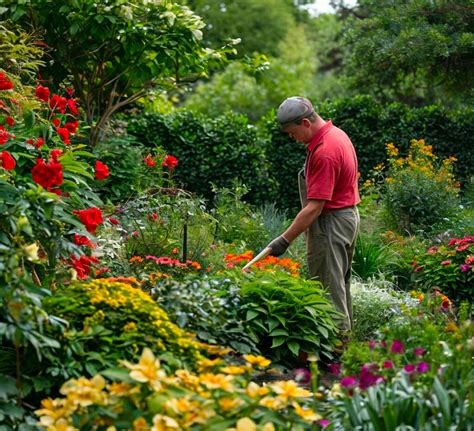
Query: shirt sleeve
column 321, row 178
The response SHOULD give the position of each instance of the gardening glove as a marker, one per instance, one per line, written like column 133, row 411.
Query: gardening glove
column 278, row 246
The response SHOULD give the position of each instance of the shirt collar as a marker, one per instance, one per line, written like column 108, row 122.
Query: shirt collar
column 318, row 138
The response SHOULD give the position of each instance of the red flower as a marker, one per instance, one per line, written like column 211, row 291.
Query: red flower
column 149, row 161
column 72, row 126
column 55, row 154
column 7, row 161
column 5, row 83
column 445, row 262
column 83, row 240
column 47, row 175
column 10, row 121
column 58, row 102
column 83, row 265
column 39, row 142
column 70, row 91
column 113, row 220
column 64, row 134
column 42, row 93
column 170, row 162
column 56, row 122
column 71, row 103
column 101, row 171
column 91, row 218
column 4, row 135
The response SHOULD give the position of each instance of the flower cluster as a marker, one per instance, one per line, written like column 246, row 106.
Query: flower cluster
column 270, row 263
column 448, row 267
column 152, row 268
column 149, row 398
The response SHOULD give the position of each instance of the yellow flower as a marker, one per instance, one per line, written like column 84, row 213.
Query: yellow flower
column 31, row 252
column 234, row 370
column 254, row 390
column 217, row 381
column 380, row 167
column 147, row 370
column 229, row 403
column 307, row 414
column 268, row 427
column 206, row 364
column 246, row 424
column 164, row 423
column 216, row 350
column 272, row 403
column 369, row 183
column 120, row 389
column 289, row 389
column 140, row 424
column 130, row 326
column 187, row 379
column 85, row 392
column 54, row 414
column 336, row 391
column 258, row 361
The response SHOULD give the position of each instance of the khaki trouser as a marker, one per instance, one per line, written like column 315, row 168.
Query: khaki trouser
column 330, row 243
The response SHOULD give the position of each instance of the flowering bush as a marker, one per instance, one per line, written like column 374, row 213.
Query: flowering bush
column 447, row 267
column 143, row 396
column 417, row 191
column 112, row 320
column 270, row 263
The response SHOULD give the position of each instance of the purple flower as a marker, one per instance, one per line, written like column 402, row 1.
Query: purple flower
column 302, row 375
column 368, row 377
column 335, row 368
column 388, row 364
column 348, row 382
column 419, row 351
column 409, row 368
column 465, row 267
column 397, row 347
column 372, row 344
column 423, row 367
column 324, row 423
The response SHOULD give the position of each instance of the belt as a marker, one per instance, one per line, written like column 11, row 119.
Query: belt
column 348, row 210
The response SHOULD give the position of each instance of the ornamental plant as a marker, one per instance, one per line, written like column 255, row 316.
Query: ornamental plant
column 447, row 267
column 417, row 191
column 145, row 396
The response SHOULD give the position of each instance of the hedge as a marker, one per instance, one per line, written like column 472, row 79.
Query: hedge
column 219, row 149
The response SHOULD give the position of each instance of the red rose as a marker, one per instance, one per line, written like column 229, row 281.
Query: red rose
column 5, row 83
column 4, row 135
column 71, row 103
column 72, row 126
column 91, row 218
column 39, row 142
column 149, row 161
column 58, row 102
column 42, row 93
column 101, row 171
column 170, row 162
column 56, row 122
column 47, row 175
column 7, row 161
column 64, row 134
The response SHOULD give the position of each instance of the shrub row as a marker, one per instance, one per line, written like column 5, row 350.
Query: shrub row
column 267, row 161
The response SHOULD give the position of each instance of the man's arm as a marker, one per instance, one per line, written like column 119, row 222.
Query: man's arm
column 304, row 219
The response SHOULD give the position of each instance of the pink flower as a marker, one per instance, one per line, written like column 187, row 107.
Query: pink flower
column 397, row 347
column 419, row 351
column 302, row 375
column 469, row 259
column 423, row 367
column 409, row 368
column 348, row 382
column 465, row 267
column 388, row 364
column 372, row 344
column 324, row 423
column 433, row 250
column 335, row 368
column 445, row 262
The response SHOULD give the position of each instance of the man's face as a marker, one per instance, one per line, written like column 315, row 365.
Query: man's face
column 300, row 132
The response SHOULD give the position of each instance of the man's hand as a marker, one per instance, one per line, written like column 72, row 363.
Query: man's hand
column 278, row 246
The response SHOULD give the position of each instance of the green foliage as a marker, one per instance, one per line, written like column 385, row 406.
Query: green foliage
column 374, row 304
column 216, row 151
column 111, row 54
column 371, row 258
column 207, row 306
column 447, row 267
column 416, row 50
column 286, row 315
column 108, row 321
column 370, row 126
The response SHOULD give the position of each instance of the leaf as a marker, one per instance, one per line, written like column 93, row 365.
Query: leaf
column 278, row 341
column 294, row 346
column 279, row 331
column 251, row 314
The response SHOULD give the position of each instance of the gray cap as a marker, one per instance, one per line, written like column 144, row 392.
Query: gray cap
column 294, row 109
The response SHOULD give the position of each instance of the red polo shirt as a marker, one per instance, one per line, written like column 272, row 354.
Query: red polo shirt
column 331, row 168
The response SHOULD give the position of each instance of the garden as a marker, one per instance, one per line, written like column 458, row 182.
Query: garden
column 142, row 167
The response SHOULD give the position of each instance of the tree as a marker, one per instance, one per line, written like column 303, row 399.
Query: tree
column 414, row 51
column 114, row 51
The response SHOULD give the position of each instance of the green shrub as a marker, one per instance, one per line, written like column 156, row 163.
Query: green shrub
column 374, row 304
column 285, row 315
column 209, row 150
column 371, row 258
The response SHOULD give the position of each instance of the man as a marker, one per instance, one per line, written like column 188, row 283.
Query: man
column 329, row 195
